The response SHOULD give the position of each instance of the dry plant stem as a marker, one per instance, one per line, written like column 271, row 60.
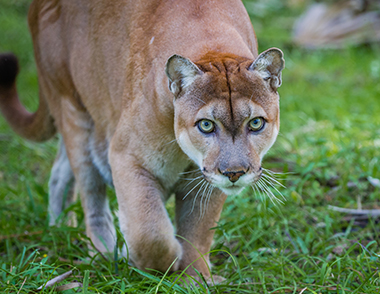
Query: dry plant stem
column 368, row 212
column 55, row 280
column 22, row 285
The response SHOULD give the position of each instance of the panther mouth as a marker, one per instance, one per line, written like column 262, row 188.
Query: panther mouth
column 231, row 188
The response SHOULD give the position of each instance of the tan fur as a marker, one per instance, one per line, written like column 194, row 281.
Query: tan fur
column 106, row 69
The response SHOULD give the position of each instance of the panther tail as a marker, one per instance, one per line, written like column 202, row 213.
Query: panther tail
column 38, row 126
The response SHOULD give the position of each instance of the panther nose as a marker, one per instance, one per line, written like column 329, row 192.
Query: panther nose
column 233, row 175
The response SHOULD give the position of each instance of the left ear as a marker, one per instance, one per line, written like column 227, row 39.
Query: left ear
column 269, row 65
column 181, row 73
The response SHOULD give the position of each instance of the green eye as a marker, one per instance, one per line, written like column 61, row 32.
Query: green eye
column 206, row 126
column 256, row 124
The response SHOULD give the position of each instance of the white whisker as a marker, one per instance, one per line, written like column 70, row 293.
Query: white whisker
column 269, row 191
column 203, row 211
column 273, row 186
column 273, row 180
column 209, row 196
column 196, row 196
column 257, row 192
column 190, row 179
column 192, row 189
column 276, row 173
column 261, row 187
column 265, row 189
column 190, row 171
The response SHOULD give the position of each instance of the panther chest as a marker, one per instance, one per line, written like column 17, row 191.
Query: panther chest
column 165, row 163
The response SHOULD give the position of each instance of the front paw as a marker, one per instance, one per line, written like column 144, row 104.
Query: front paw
column 157, row 256
column 197, row 280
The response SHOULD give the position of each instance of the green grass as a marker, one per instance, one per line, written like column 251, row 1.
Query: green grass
column 329, row 143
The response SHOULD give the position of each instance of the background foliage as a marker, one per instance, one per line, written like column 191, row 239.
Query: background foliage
column 327, row 149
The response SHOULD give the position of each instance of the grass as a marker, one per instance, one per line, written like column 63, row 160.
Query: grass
column 328, row 147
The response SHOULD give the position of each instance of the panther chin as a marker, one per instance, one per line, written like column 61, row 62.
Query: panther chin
column 231, row 191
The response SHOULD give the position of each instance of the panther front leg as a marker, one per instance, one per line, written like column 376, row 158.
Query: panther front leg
column 198, row 208
column 143, row 218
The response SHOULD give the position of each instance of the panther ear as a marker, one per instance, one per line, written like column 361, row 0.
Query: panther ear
column 269, row 65
column 181, row 73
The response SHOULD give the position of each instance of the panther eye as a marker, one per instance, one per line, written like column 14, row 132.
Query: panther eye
column 256, row 124
column 206, row 126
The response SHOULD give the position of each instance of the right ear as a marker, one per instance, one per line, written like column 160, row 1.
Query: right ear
column 269, row 65
column 181, row 73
